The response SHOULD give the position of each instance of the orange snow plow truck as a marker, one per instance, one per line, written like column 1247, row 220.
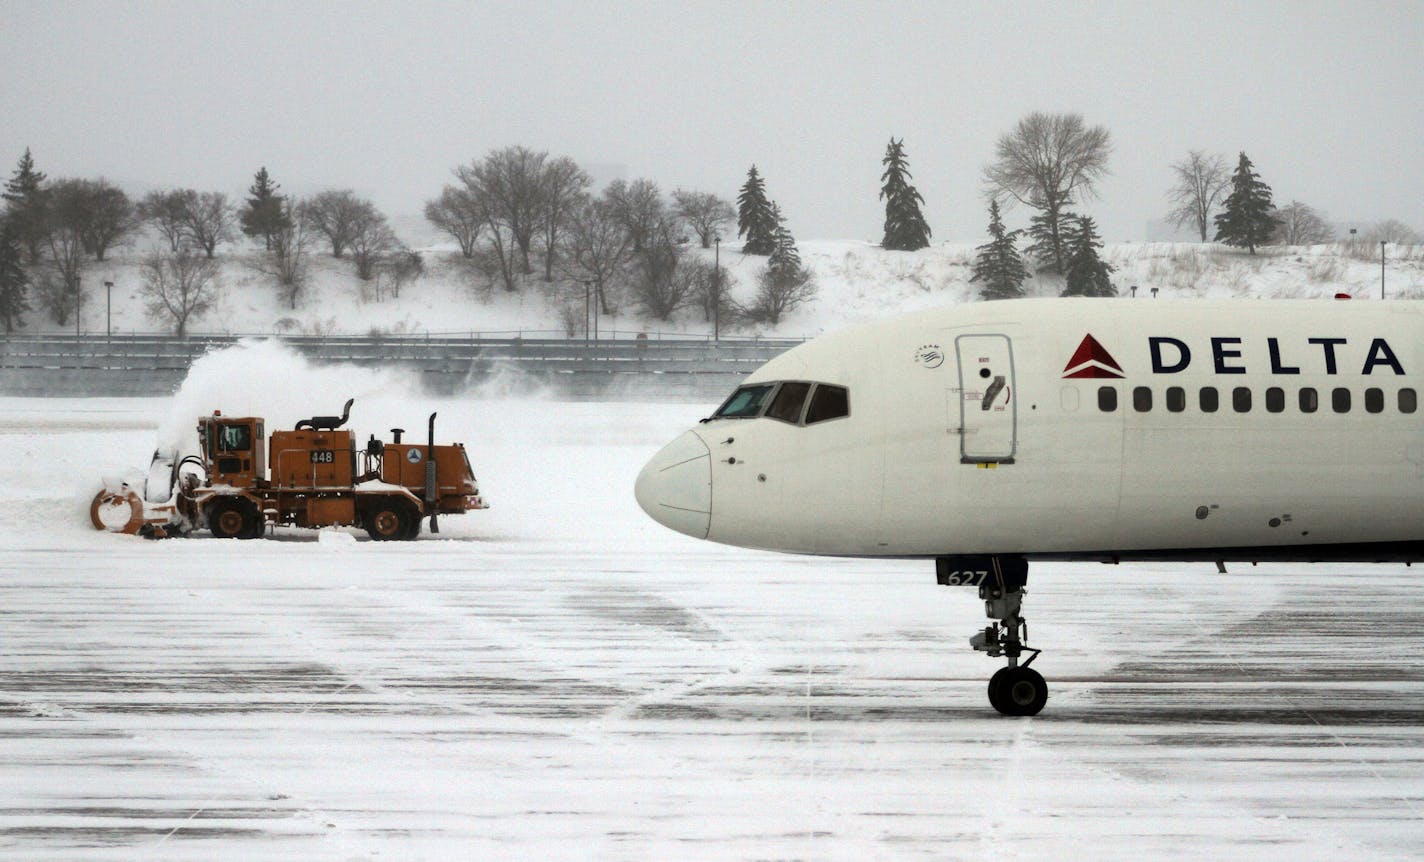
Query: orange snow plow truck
column 240, row 483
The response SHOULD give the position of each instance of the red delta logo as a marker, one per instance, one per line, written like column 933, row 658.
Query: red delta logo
column 1092, row 360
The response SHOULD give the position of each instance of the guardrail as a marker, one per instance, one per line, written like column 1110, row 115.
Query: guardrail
column 155, row 365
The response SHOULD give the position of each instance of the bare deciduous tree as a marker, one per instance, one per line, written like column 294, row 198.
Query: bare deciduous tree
column 712, row 293
column 779, row 292
column 564, row 185
column 166, row 212
column 499, row 257
column 337, row 215
column 639, row 207
column 207, row 219
column 396, row 269
column 1047, row 162
column 1392, row 230
column 704, row 212
column 661, row 283
column 371, row 240
column 596, row 250
column 509, row 185
column 457, row 213
column 54, row 294
column 785, row 284
column 179, row 287
column 68, row 213
column 1201, row 182
column 1300, row 224
column 286, row 260
column 111, row 217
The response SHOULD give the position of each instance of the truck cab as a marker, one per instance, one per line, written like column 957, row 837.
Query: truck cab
column 234, row 451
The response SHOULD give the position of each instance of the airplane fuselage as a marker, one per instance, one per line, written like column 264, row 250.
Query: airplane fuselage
column 1074, row 429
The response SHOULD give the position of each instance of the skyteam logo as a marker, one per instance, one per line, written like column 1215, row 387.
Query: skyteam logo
column 1092, row 360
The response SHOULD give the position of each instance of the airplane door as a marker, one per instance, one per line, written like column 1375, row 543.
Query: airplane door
column 988, row 400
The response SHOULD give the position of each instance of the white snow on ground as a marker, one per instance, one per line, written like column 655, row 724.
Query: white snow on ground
column 857, row 281
column 558, row 677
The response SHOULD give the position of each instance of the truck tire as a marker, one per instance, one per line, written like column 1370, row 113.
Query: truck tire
column 387, row 520
column 234, row 518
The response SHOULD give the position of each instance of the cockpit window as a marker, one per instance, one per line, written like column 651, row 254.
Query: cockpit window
column 745, row 403
column 828, row 402
column 789, row 400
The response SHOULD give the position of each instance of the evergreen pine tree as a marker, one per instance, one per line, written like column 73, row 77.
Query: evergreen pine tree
column 13, row 279
column 998, row 265
column 784, row 254
column 24, row 199
column 1247, row 219
column 1087, row 273
column 785, row 284
column 905, row 227
column 1043, row 246
column 264, row 215
column 754, row 216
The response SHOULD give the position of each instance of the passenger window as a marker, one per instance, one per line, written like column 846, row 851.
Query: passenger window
column 1340, row 400
column 1208, row 399
column 1176, row 399
column 1241, row 399
column 1142, row 399
column 828, row 402
column 789, row 400
column 1309, row 400
column 1107, row 399
column 1374, row 400
column 745, row 403
column 1275, row 399
column 1408, row 401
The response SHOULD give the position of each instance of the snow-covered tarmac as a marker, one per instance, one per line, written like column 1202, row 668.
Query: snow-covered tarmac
column 561, row 678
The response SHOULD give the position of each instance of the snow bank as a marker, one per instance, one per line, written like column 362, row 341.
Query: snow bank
column 856, row 281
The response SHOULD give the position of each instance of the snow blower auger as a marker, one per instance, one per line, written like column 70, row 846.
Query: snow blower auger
column 242, row 482
column 117, row 510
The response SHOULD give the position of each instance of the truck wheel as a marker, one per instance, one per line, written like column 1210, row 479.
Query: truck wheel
column 233, row 518
column 386, row 520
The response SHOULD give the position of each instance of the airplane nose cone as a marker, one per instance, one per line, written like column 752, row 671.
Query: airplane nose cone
column 675, row 488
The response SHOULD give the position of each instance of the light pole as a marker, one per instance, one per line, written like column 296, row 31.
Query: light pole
column 1382, row 242
column 587, row 287
column 109, row 309
column 717, row 287
column 78, row 304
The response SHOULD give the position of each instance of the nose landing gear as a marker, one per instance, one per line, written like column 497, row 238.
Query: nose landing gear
column 1015, row 689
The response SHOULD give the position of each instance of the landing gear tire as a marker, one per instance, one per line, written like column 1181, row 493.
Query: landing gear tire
column 387, row 521
column 234, row 518
column 1018, row 691
column 1015, row 689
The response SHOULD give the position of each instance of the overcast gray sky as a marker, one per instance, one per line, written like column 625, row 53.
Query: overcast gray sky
column 385, row 98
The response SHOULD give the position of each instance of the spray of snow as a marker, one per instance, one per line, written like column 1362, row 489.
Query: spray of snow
column 506, row 381
column 271, row 380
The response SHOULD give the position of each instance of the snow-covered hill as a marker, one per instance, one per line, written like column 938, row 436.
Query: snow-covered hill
column 857, row 281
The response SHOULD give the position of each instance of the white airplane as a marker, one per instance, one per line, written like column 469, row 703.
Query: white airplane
column 988, row 435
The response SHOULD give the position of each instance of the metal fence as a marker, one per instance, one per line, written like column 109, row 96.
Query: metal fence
column 608, row 367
